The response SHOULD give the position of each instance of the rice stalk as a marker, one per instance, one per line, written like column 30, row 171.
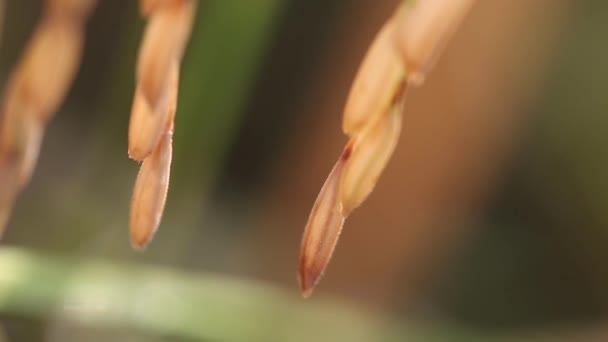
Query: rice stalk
column 154, row 105
column 401, row 54
column 35, row 90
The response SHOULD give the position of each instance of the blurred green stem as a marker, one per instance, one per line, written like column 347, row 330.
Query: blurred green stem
column 165, row 302
column 170, row 303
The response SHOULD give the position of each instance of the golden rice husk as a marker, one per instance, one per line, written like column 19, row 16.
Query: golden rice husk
column 48, row 66
column 148, row 124
column 164, row 42
column 379, row 73
column 423, row 29
column 372, row 150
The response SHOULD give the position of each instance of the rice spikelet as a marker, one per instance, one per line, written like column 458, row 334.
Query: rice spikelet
column 401, row 54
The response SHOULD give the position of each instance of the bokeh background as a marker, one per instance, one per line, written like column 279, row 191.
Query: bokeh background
column 490, row 222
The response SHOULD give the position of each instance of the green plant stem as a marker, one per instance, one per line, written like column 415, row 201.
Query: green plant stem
column 166, row 302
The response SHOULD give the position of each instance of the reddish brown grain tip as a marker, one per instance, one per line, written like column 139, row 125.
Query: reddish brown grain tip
column 307, row 282
column 322, row 231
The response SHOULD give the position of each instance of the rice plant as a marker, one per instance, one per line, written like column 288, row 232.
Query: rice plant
column 400, row 56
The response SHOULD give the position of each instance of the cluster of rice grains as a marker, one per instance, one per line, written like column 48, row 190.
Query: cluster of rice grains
column 35, row 90
column 153, row 111
column 400, row 56
column 39, row 83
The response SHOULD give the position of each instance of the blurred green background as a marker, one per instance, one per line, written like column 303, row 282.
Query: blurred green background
column 489, row 223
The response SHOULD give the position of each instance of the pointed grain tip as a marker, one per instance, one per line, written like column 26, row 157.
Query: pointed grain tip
column 150, row 194
column 307, row 292
column 139, row 243
column 322, row 230
column 308, row 276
